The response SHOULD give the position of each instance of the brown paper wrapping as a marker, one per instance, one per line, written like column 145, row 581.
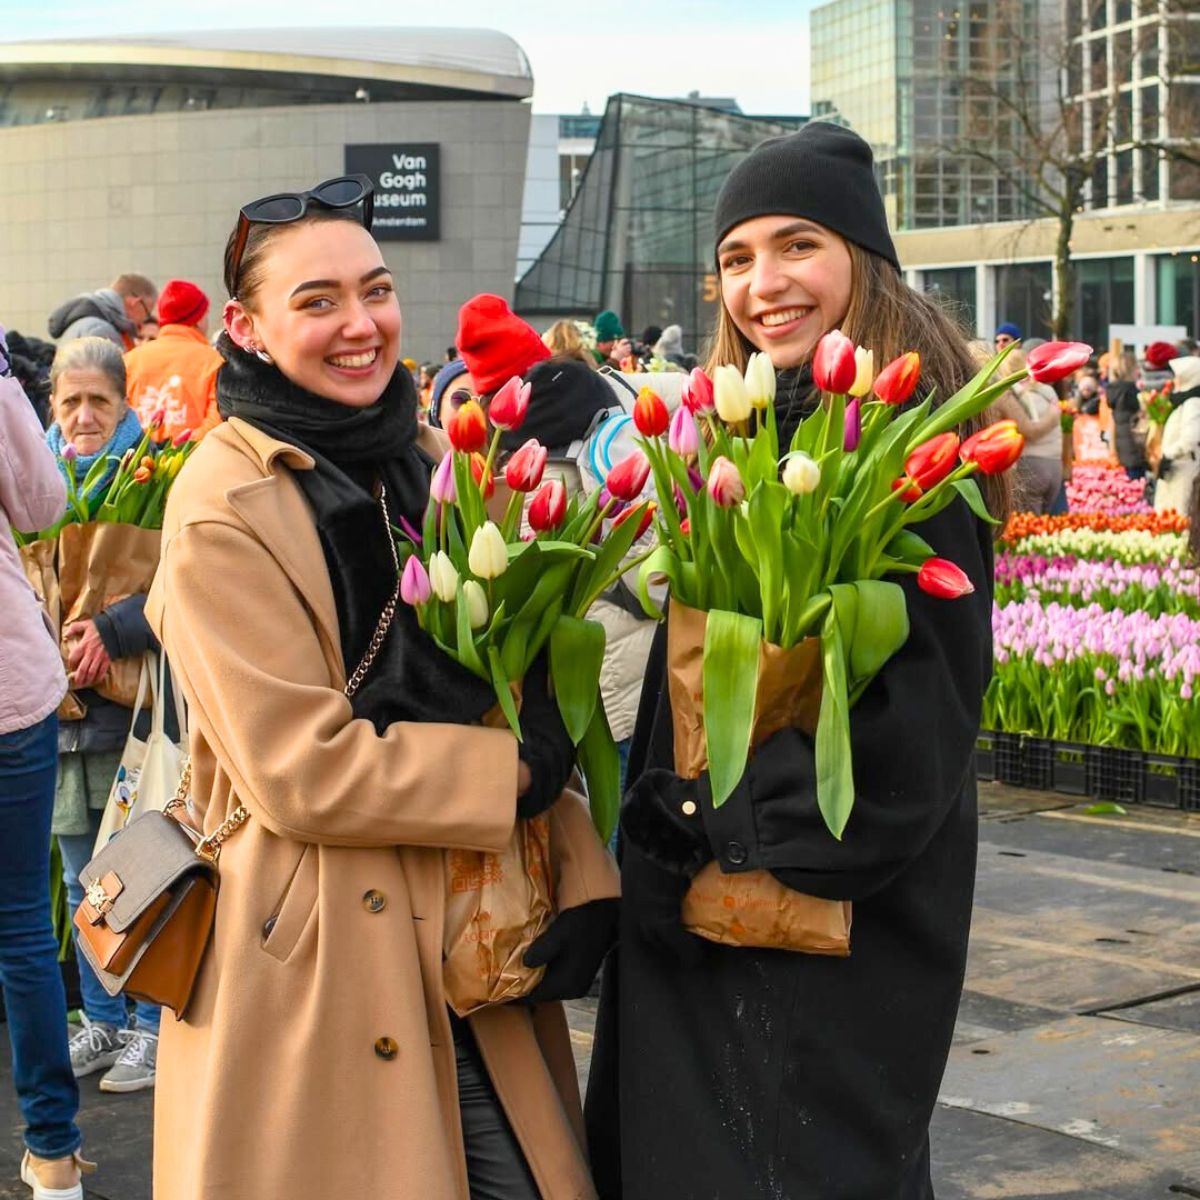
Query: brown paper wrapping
column 84, row 570
column 750, row 908
column 496, row 906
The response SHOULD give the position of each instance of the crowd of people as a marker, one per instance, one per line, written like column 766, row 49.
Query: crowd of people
column 717, row 1070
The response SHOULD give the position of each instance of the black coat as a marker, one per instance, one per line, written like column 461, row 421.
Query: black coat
column 770, row 1074
column 1123, row 400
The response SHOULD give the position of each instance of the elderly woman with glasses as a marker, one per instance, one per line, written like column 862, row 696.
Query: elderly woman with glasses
column 318, row 1057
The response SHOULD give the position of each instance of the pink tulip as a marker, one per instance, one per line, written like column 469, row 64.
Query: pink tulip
column 834, row 366
column 683, row 437
column 415, row 587
column 510, row 405
column 69, row 453
column 725, row 485
column 442, row 489
column 698, row 393
column 1052, row 361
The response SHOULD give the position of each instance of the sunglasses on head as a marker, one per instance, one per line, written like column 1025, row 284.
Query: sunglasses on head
column 346, row 191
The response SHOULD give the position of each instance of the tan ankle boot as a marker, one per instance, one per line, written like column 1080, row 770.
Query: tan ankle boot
column 55, row 1178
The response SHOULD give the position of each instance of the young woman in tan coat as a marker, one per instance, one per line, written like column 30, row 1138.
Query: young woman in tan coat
column 318, row 1058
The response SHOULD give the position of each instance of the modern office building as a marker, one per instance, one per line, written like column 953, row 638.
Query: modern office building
column 1129, row 70
column 135, row 154
column 637, row 237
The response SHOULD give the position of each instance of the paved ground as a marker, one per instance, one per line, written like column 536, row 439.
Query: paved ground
column 1076, row 1066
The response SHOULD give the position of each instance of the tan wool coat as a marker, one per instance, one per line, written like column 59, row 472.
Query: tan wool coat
column 316, row 1061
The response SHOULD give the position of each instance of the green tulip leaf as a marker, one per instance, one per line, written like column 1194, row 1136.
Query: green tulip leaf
column 835, row 775
column 504, row 692
column 601, row 767
column 881, row 628
column 968, row 489
column 731, row 642
column 467, row 654
column 576, row 654
column 908, row 547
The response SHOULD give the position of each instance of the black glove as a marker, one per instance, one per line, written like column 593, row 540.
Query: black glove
column 651, row 897
column 547, row 749
column 572, row 949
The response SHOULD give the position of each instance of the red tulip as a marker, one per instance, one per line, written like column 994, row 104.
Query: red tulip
column 650, row 414
column 1052, row 361
column 467, row 428
column 941, row 578
column 898, row 380
column 725, row 485
column 932, row 461
column 548, row 507
column 488, row 487
column 834, row 366
column 993, row 449
column 685, row 526
column 697, row 393
column 626, row 480
column 182, row 439
column 644, row 513
column 524, row 470
column 510, row 404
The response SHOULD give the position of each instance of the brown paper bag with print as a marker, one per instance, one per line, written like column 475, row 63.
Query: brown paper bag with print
column 99, row 564
column 750, row 908
column 496, row 906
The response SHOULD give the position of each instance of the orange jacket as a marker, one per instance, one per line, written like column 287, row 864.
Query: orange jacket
column 177, row 372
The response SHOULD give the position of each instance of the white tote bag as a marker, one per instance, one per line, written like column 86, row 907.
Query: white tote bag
column 149, row 772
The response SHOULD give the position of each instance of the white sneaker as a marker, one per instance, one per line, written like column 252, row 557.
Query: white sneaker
column 32, row 1167
column 134, row 1070
column 95, row 1047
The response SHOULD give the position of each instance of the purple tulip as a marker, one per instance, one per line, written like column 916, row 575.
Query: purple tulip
column 853, row 431
column 682, row 436
column 441, row 487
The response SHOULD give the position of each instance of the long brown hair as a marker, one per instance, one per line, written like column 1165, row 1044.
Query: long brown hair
column 888, row 317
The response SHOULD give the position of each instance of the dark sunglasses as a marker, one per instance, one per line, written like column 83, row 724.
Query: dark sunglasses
column 346, row 191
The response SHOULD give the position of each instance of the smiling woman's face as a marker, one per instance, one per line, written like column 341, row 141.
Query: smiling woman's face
column 785, row 283
column 326, row 312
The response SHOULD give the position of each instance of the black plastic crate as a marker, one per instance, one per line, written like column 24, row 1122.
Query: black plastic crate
column 1073, row 768
column 1037, row 763
column 1189, row 785
column 1162, row 780
column 985, row 755
column 1009, row 764
column 1120, row 774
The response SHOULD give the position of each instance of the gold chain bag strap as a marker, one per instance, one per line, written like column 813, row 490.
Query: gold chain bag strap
column 150, row 894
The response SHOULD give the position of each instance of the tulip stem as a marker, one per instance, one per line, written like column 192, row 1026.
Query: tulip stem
column 597, row 522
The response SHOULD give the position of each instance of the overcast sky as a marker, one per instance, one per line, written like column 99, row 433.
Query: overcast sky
column 753, row 50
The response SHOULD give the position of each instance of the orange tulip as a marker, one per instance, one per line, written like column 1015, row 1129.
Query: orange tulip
column 650, row 414
column 467, row 428
column 995, row 448
column 898, row 380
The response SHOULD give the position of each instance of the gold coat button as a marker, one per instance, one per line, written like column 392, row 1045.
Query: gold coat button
column 374, row 901
column 386, row 1048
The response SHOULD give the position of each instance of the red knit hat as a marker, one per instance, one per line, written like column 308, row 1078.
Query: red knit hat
column 1159, row 354
column 181, row 303
column 495, row 343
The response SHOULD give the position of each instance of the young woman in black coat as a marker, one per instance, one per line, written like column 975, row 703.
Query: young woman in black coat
column 725, row 1073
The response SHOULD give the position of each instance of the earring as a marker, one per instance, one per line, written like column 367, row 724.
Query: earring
column 263, row 356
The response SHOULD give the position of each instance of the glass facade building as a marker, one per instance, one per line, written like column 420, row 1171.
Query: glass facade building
column 638, row 235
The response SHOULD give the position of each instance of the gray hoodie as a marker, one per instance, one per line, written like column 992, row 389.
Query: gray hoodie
column 92, row 314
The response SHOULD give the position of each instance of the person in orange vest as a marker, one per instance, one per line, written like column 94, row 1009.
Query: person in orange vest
column 176, row 373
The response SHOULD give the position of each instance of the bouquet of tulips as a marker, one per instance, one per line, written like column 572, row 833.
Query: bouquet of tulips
column 778, row 544
column 136, row 494
column 1157, row 405
column 494, row 596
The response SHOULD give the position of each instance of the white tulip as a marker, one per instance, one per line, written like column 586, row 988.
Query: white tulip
column 865, row 361
column 443, row 578
column 730, row 395
column 760, row 381
column 477, row 605
column 488, row 556
column 801, row 474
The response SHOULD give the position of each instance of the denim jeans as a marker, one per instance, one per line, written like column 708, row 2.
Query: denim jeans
column 97, row 1003
column 33, row 987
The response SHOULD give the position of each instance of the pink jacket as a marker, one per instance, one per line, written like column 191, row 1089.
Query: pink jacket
column 32, row 496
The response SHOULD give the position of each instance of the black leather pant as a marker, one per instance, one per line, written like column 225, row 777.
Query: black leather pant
column 496, row 1168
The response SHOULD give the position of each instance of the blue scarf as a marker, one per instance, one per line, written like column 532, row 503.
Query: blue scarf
column 126, row 435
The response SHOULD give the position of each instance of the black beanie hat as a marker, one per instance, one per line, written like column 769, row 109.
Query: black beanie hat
column 823, row 172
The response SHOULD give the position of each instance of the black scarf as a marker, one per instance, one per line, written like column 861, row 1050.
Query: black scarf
column 354, row 449
column 795, row 399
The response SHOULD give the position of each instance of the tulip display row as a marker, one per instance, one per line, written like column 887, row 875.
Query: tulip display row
column 782, row 543
column 1152, row 588
column 136, row 494
column 494, row 596
column 1096, row 675
column 1129, row 547
column 1102, row 488
column 1024, row 524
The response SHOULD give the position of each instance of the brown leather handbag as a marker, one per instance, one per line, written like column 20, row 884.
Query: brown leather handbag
column 150, row 897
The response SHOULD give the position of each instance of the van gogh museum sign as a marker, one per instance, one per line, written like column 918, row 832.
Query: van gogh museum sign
column 407, row 182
